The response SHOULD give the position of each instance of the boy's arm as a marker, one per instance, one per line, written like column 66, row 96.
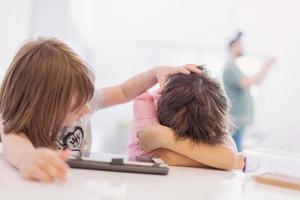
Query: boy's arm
column 34, row 164
column 223, row 156
column 138, row 84
column 175, row 159
column 145, row 115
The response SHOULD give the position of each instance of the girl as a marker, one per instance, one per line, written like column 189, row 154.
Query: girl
column 46, row 100
column 187, row 125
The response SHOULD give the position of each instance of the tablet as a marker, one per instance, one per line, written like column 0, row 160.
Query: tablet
column 118, row 163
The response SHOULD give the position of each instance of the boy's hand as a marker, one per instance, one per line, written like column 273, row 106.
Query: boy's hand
column 240, row 162
column 154, row 137
column 163, row 73
column 45, row 165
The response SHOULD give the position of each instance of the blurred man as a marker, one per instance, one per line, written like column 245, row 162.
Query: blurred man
column 237, row 87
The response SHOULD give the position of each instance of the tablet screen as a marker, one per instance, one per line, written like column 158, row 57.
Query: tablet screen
column 108, row 158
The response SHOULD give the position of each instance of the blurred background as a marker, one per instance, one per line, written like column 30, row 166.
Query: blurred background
column 120, row 38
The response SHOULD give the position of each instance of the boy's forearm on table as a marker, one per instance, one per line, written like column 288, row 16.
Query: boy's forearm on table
column 176, row 159
column 221, row 156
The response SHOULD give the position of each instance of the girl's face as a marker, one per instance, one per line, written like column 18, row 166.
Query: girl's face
column 73, row 116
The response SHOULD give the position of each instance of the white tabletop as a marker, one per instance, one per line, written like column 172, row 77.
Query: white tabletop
column 181, row 183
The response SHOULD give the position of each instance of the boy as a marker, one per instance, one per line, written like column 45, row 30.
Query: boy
column 187, row 125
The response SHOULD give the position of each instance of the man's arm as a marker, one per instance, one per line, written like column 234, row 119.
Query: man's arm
column 247, row 82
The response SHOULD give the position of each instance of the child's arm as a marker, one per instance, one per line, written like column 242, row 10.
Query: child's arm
column 145, row 115
column 222, row 156
column 176, row 159
column 138, row 84
column 40, row 164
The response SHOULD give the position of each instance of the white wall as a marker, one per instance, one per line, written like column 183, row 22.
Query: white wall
column 121, row 38
column 15, row 19
column 130, row 36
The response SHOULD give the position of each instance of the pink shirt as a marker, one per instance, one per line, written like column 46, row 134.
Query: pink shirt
column 144, row 115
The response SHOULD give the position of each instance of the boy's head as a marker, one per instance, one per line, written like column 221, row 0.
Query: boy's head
column 195, row 107
column 46, row 86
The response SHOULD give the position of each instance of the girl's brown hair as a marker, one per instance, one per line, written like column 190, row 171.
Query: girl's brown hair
column 195, row 106
column 37, row 90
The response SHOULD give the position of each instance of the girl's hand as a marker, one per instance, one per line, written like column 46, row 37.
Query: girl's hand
column 154, row 137
column 163, row 73
column 45, row 165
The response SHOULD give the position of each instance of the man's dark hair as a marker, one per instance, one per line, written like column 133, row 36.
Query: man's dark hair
column 235, row 39
column 195, row 107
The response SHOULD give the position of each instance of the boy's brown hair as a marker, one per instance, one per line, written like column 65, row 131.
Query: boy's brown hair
column 196, row 107
column 37, row 90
